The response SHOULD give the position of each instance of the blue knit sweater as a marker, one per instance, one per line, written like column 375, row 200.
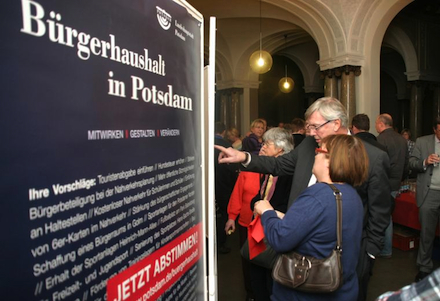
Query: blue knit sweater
column 309, row 228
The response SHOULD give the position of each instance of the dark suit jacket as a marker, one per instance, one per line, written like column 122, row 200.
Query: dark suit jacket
column 375, row 192
column 280, row 197
column 424, row 147
column 297, row 139
column 370, row 138
column 398, row 153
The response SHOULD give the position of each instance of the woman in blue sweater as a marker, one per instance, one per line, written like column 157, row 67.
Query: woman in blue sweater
column 309, row 226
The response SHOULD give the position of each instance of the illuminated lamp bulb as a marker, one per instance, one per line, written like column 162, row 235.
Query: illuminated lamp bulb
column 260, row 61
column 286, row 84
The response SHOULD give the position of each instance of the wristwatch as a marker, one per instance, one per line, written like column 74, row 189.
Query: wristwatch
column 247, row 160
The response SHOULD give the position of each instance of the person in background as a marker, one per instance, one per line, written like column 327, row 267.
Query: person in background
column 276, row 190
column 277, row 142
column 309, row 227
column 397, row 152
column 298, row 130
column 246, row 187
column 288, row 127
column 225, row 177
column 406, row 133
column 233, row 136
column 425, row 162
column 327, row 116
column 252, row 143
column 360, row 126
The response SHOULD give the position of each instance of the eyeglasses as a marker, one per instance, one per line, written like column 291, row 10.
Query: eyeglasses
column 320, row 151
column 318, row 126
column 267, row 144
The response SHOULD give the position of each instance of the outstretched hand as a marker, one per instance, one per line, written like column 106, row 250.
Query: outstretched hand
column 230, row 155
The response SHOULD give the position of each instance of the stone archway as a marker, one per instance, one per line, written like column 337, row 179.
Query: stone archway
column 398, row 40
column 346, row 33
column 372, row 32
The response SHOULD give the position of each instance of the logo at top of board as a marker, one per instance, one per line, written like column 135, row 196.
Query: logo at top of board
column 164, row 18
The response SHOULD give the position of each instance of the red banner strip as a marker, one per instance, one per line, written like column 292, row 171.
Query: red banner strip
column 153, row 275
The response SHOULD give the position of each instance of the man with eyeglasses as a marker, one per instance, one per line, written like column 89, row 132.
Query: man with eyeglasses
column 327, row 116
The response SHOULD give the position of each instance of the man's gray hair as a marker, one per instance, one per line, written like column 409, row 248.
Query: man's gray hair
column 281, row 138
column 330, row 108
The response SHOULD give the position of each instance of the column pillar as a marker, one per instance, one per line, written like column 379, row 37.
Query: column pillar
column 416, row 108
column 403, row 101
column 348, row 91
column 230, row 107
column 404, row 108
column 238, row 103
column 330, row 84
column 235, row 117
column 224, row 106
column 245, row 109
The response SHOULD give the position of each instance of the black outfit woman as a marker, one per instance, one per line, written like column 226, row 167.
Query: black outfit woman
column 261, row 278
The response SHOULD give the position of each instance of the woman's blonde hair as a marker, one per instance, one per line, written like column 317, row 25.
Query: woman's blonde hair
column 257, row 121
column 348, row 159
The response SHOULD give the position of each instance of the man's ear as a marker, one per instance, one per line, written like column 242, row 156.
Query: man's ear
column 337, row 125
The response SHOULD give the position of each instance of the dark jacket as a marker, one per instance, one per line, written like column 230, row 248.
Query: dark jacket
column 370, row 138
column 398, row 153
column 251, row 144
column 280, row 197
column 297, row 139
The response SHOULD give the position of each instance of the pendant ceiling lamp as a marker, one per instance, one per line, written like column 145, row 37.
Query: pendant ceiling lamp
column 261, row 60
column 286, row 84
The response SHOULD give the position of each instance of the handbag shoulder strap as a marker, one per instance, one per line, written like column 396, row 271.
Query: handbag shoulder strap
column 338, row 197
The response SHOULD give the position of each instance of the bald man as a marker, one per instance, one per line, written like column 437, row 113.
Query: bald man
column 397, row 151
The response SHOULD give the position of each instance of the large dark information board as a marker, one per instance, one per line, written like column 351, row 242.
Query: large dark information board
column 101, row 180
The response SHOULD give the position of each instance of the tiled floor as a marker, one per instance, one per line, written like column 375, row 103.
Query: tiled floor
column 389, row 274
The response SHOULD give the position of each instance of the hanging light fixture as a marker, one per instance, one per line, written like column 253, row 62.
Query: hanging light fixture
column 286, row 84
column 261, row 60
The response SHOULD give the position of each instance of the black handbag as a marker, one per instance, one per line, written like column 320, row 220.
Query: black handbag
column 265, row 259
column 309, row 274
